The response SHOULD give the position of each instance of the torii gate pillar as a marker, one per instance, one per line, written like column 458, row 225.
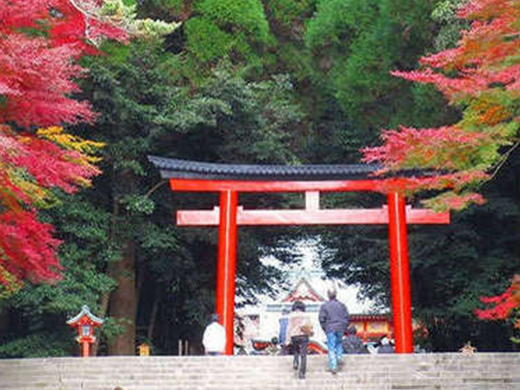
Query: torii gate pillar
column 400, row 273
column 226, row 265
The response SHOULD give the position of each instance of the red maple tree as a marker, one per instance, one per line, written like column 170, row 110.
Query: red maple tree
column 503, row 306
column 481, row 75
column 40, row 41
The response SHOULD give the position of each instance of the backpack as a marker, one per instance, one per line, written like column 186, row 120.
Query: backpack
column 307, row 330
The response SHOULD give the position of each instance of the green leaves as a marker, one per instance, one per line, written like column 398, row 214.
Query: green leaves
column 41, row 345
column 124, row 11
column 206, row 41
column 226, row 29
column 157, row 239
column 290, row 13
column 247, row 15
column 141, row 204
column 337, row 23
column 356, row 43
column 43, row 309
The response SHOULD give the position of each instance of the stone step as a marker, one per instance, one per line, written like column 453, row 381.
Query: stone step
column 359, row 372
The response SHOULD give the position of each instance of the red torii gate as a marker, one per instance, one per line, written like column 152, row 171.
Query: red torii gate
column 230, row 180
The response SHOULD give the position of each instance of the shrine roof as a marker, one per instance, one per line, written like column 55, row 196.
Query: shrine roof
column 303, row 291
column 85, row 311
column 184, row 169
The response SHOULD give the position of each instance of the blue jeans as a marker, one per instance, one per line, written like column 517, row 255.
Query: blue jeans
column 335, row 349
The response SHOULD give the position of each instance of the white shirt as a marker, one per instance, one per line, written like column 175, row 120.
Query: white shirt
column 214, row 338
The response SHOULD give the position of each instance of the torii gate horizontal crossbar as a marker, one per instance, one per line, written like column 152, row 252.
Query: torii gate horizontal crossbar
column 309, row 217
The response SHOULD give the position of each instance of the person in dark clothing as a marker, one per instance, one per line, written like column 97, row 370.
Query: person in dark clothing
column 353, row 344
column 385, row 346
column 334, row 321
column 284, row 319
column 272, row 349
column 299, row 321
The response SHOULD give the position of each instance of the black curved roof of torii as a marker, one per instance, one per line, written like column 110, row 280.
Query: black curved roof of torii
column 184, row 169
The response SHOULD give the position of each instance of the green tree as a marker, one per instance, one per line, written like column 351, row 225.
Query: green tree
column 144, row 112
column 217, row 30
column 33, row 322
column 356, row 43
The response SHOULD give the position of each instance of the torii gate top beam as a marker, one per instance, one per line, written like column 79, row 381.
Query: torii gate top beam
column 211, row 177
column 182, row 169
column 310, row 179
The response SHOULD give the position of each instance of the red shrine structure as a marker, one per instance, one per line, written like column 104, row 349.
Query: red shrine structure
column 230, row 180
column 85, row 322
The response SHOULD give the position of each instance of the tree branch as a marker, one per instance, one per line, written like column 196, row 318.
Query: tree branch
column 86, row 13
column 155, row 187
column 504, row 159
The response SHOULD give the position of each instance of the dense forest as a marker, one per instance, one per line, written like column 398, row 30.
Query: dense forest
column 258, row 82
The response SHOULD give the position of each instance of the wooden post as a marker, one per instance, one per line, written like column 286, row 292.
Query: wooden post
column 85, row 348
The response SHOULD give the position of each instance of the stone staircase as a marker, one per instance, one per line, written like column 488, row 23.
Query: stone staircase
column 481, row 371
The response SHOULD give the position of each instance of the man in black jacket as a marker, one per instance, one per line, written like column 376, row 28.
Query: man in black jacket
column 334, row 321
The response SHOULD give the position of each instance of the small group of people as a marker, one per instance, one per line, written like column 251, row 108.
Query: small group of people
column 296, row 329
column 384, row 345
column 353, row 344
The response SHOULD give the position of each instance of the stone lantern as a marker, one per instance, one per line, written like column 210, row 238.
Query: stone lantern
column 85, row 322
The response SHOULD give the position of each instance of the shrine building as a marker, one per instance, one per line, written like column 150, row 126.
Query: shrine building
column 260, row 323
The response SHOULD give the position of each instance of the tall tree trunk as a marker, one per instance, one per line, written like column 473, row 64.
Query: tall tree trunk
column 123, row 301
column 103, row 310
column 4, row 320
column 105, row 296
column 153, row 316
